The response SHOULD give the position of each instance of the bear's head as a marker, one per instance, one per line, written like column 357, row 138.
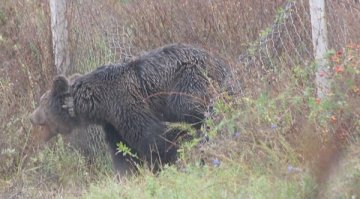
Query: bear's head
column 53, row 112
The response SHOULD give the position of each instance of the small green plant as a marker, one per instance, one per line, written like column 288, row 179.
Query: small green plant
column 125, row 150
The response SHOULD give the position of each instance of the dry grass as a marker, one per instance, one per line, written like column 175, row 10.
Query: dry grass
column 274, row 124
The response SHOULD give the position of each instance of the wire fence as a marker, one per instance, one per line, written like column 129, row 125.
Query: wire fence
column 287, row 42
column 259, row 38
column 119, row 31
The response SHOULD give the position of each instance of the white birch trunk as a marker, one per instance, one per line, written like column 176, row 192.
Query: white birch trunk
column 319, row 40
column 59, row 35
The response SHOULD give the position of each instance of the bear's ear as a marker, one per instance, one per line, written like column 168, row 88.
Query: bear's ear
column 60, row 85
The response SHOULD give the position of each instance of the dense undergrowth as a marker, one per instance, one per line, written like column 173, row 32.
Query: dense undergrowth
column 273, row 140
column 284, row 145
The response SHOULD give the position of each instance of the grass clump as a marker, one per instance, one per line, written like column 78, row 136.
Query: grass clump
column 65, row 165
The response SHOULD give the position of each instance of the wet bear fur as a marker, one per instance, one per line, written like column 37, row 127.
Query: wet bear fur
column 135, row 101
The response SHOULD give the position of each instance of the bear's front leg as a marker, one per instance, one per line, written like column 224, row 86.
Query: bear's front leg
column 147, row 136
column 124, row 165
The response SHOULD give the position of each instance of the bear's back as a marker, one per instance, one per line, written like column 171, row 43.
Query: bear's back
column 157, row 70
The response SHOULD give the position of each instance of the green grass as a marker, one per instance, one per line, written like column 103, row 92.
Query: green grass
column 225, row 181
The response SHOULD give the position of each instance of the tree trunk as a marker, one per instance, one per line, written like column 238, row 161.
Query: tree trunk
column 59, row 35
column 319, row 40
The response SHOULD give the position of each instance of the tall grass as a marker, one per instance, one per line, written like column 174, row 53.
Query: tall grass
column 275, row 140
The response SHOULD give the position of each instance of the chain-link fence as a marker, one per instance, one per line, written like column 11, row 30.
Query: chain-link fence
column 256, row 36
column 259, row 38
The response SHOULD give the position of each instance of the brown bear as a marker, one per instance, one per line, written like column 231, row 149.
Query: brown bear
column 135, row 101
